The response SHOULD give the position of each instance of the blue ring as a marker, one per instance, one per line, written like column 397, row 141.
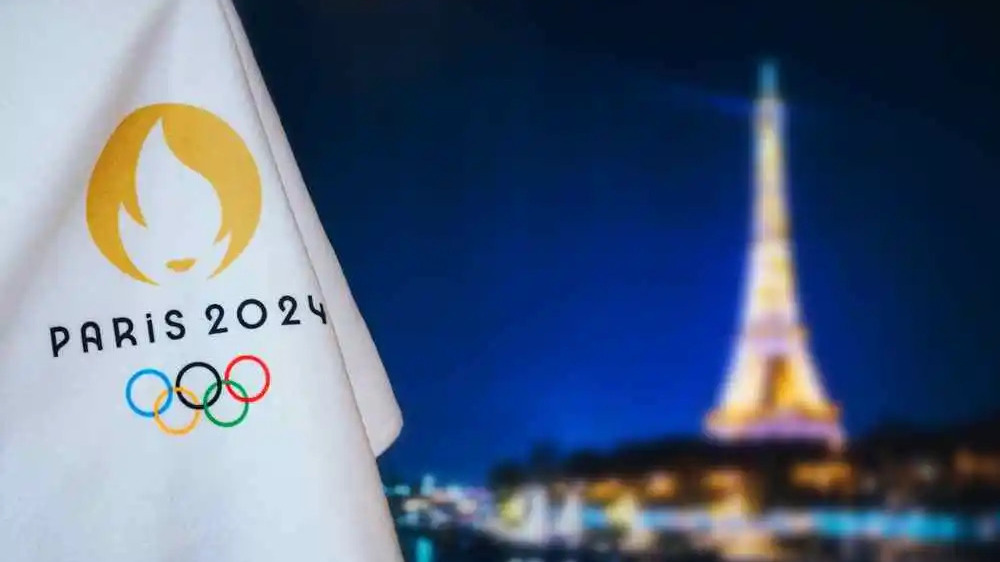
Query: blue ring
column 166, row 383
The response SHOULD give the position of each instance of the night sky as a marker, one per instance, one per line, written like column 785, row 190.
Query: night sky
column 542, row 207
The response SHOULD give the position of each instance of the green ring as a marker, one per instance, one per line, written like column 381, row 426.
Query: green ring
column 208, row 413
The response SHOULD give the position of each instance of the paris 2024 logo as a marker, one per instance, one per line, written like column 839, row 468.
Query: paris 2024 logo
column 206, row 148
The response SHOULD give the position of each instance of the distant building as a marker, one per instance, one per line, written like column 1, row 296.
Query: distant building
column 427, row 485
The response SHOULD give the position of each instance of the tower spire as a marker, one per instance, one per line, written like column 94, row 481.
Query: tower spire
column 768, row 78
column 771, row 212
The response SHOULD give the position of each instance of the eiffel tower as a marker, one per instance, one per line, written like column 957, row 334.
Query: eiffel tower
column 773, row 388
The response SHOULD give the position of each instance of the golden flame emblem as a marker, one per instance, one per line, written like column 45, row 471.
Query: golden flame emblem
column 201, row 141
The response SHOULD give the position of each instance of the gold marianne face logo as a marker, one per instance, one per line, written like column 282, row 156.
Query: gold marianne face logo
column 202, row 142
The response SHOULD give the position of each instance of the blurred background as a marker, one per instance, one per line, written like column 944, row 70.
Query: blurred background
column 665, row 280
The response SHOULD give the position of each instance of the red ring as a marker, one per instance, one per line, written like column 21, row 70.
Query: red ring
column 267, row 378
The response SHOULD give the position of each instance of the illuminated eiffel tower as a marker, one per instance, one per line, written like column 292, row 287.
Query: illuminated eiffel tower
column 773, row 388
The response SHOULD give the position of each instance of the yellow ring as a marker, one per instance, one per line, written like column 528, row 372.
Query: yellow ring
column 159, row 421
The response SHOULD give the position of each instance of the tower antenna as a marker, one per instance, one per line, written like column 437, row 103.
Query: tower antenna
column 768, row 78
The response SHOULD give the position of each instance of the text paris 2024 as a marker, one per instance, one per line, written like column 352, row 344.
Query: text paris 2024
column 250, row 314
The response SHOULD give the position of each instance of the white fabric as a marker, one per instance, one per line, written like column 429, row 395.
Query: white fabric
column 82, row 475
column 364, row 366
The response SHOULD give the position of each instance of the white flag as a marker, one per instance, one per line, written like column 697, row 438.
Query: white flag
column 184, row 374
column 367, row 374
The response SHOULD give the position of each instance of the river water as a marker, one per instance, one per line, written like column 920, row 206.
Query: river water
column 470, row 547
column 419, row 547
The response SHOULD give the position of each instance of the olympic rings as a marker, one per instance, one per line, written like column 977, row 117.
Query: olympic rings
column 243, row 414
column 159, row 421
column 128, row 392
column 218, row 381
column 267, row 378
column 190, row 399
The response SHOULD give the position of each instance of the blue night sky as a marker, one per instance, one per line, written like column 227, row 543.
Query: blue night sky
column 542, row 207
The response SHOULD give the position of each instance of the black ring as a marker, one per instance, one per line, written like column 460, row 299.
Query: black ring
column 218, row 382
